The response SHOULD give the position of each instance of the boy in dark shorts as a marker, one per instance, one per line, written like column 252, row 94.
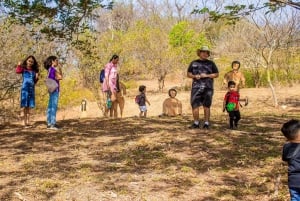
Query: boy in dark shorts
column 291, row 154
column 202, row 71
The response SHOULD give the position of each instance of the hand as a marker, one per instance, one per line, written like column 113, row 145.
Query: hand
column 197, row 77
column 203, row 75
column 19, row 63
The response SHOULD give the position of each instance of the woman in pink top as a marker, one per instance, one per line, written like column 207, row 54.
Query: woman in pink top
column 111, row 72
column 110, row 86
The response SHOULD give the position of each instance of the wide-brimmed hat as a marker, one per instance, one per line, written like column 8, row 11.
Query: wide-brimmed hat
column 204, row 49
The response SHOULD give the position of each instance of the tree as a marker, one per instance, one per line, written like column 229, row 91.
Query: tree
column 62, row 19
column 233, row 12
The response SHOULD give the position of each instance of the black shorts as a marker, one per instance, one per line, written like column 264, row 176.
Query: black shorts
column 201, row 97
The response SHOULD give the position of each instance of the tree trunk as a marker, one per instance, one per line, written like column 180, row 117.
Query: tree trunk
column 272, row 88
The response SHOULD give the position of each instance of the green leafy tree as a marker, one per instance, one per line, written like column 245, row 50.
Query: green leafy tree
column 59, row 18
column 184, row 41
column 233, row 12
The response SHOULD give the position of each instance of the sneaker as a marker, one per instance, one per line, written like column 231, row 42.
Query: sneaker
column 205, row 126
column 194, row 126
column 53, row 127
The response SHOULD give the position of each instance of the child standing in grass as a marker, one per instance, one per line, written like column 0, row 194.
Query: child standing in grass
column 29, row 69
column 55, row 73
column 141, row 100
column 291, row 154
column 231, row 104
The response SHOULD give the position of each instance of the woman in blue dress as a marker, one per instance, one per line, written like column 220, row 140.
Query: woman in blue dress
column 29, row 69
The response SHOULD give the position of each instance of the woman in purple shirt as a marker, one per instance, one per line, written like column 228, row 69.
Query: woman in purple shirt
column 55, row 73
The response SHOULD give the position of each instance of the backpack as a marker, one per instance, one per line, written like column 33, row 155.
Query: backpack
column 137, row 99
column 102, row 76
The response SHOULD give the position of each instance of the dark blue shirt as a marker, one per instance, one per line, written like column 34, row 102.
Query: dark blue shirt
column 203, row 66
column 291, row 154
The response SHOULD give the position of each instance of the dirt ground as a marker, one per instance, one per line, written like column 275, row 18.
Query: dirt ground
column 93, row 158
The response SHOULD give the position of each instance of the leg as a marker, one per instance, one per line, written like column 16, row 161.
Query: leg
column 52, row 108
column 25, row 120
column 121, row 105
column 206, row 114
column 115, row 109
column 231, row 119
column 208, row 94
column 237, row 118
column 195, row 112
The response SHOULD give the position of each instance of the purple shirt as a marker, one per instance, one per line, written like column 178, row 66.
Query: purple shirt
column 52, row 71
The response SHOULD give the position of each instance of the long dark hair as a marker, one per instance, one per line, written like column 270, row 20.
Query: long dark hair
column 35, row 66
column 48, row 62
column 114, row 57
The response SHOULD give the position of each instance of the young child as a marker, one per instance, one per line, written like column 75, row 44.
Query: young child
column 291, row 154
column 231, row 104
column 29, row 69
column 142, row 99
column 55, row 73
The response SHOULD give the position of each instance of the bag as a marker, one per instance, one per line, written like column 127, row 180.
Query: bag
column 102, row 76
column 51, row 85
column 137, row 99
column 230, row 107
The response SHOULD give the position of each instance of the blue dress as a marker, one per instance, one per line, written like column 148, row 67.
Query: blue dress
column 27, row 90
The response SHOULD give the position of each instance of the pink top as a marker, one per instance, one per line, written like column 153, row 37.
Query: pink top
column 111, row 73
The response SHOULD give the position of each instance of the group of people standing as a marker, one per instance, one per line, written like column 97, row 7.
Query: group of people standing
column 203, row 72
column 29, row 69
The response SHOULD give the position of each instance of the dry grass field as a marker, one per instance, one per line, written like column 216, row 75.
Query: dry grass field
column 93, row 158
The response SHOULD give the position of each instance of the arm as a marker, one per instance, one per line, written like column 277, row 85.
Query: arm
column 225, row 80
column 58, row 74
column 19, row 68
column 165, row 107
column 36, row 78
column 123, row 88
column 212, row 76
column 179, row 107
column 146, row 99
column 243, row 80
column 107, row 74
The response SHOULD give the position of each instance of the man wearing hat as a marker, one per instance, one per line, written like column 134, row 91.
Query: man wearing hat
column 202, row 71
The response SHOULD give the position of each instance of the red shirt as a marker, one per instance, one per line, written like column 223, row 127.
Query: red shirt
column 232, row 97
